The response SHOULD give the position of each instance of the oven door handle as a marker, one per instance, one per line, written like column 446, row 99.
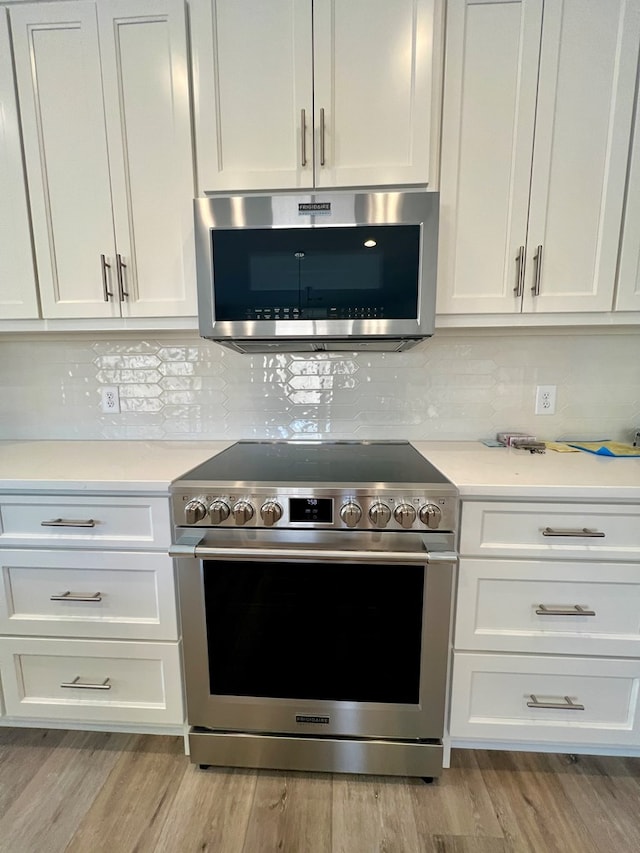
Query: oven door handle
column 204, row 552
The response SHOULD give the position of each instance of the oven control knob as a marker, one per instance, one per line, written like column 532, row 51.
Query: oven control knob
column 271, row 512
column 431, row 515
column 405, row 515
column 379, row 514
column 350, row 513
column 194, row 511
column 242, row 512
column 219, row 511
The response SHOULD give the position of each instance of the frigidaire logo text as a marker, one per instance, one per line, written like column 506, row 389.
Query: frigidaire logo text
column 312, row 718
column 314, row 207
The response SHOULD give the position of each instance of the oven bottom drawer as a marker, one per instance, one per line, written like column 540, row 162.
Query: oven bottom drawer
column 327, row 755
column 545, row 699
column 91, row 680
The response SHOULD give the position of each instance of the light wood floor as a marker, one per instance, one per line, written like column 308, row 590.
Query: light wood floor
column 88, row 792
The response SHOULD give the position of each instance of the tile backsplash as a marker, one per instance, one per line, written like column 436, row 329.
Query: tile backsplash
column 458, row 385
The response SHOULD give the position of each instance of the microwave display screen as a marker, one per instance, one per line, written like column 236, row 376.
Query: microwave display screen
column 337, row 272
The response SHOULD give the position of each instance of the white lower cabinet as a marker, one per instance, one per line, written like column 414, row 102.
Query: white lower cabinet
column 120, row 595
column 89, row 632
column 548, row 607
column 92, row 680
column 548, row 700
column 547, row 635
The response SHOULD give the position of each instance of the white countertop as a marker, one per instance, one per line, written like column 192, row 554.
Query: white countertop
column 132, row 466
column 150, row 466
column 480, row 471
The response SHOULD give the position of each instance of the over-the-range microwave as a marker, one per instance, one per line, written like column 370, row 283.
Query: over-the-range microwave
column 324, row 271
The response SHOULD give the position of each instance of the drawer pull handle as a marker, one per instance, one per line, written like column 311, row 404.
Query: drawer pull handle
column 87, row 685
column 567, row 705
column 68, row 522
column 558, row 610
column 76, row 596
column 583, row 533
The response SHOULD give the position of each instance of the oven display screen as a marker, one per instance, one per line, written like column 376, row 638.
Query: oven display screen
column 311, row 510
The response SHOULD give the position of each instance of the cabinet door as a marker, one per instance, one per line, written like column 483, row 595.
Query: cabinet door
column 628, row 296
column 145, row 75
column 487, row 143
column 59, row 84
column 588, row 64
column 545, row 699
column 18, row 295
column 375, row 91
column 252, row 64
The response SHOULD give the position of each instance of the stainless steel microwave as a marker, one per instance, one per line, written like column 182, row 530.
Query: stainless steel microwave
column 327, row 271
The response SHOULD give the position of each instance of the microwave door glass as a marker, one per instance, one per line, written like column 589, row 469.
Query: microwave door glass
column 356, row 272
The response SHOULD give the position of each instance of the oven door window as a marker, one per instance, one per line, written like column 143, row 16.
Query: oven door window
column 359, row 272
column 338, row 632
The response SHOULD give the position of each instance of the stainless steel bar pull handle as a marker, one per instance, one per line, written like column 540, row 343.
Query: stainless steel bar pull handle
column 519, row 288
column 120, row 265
column 322, row 136
column 87, row 685
column 303, row 137
column 537, row 266
column 204, row 552
column 76, row 596
column 105, row 287
column 567, row 705
column 556, row 610
column 68, row 522
column 583, row 533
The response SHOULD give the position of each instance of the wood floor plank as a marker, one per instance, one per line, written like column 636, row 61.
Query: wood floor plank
column 210, row 812
column 374, row 814
column 533, row 810
column 22, row 751
column 458, row 804
column 291, row 812
column 468, row 844
column 606, row 794
column 46, row 813
column 130, row 810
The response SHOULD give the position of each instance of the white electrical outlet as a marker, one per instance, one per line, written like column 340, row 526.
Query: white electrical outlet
column 545, row 400
column 110, row 400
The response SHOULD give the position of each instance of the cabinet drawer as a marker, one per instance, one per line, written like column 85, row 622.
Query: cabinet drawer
column 124, row 682
column 561, row 531
column 490, row 693
column 85, row 522
column 527, row 606
column 118, row 595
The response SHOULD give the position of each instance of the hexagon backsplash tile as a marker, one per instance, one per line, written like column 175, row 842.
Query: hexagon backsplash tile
column 454, row 386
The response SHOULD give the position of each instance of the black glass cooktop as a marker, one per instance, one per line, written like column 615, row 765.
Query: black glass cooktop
column 341, row 462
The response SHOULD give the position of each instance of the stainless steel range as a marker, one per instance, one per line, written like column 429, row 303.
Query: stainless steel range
column 315, row 592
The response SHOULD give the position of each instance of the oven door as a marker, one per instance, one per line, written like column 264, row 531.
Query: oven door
column 313, row 637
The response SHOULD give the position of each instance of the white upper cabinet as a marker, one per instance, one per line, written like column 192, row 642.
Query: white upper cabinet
column 628, row 297
column 375, row 79
column 253, row 93
column 537, row 116
column 294, row 94
column 18, row 294
column 109, row 171
column 491, row 75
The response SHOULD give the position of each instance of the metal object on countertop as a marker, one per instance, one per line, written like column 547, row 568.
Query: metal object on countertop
column 527, row 444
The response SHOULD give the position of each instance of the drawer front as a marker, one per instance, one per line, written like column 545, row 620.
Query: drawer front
column 492, row 696
column 85, row 522
column 549, row 607
column 547, row 530
column 115, row 595
column 123, row 682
